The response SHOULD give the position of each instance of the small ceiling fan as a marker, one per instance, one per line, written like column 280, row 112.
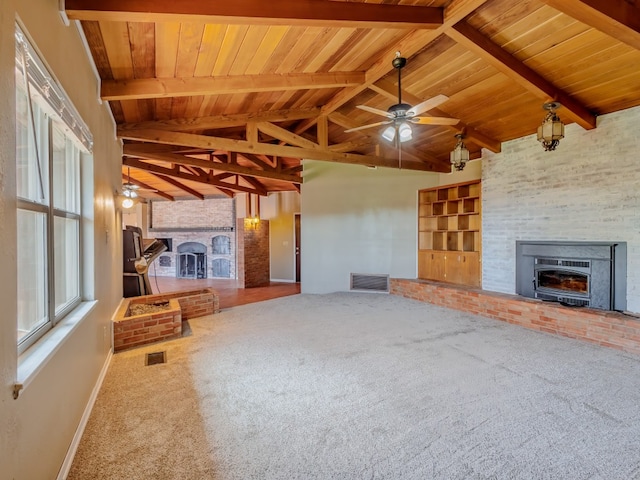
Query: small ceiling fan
column 130, row 191
column 401, row 115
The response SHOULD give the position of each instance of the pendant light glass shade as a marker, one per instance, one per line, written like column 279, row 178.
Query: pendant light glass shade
column 552, row 130
column 404, row 132
column 460, row 154
column 389, row 133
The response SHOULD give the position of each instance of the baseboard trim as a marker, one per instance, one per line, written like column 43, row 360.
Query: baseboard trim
column 71, row 452
column 280, row 280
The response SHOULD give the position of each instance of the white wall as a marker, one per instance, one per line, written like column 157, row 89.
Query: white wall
column 360, row 220
column 279, row 208
column 587, row 189
column 37, row 428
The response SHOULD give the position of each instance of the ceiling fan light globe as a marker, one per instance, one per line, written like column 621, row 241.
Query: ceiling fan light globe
column 127, row 203
column 404, row 132
column 389, row 133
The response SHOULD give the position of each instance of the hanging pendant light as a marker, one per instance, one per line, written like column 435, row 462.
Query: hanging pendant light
column 552, row 130
column 460, row 155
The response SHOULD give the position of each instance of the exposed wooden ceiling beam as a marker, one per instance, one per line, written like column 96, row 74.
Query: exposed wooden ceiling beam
column 390, row 90
column 285, row 135
column 503, row 61
column 619, row 19
column 133, row 89
column 318, row 13
column 141, row 151
column 256, row 184
column 351, row 145
column 261, row 162
column 408, row 46
column 241, row 146
column 151, row 189
column 150, row 167
column 223, row 121
column 180, row 185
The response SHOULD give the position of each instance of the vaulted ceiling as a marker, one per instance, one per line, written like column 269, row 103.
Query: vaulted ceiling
column 218, row 97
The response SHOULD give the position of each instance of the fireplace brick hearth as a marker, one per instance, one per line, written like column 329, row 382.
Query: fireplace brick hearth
column 606, row 328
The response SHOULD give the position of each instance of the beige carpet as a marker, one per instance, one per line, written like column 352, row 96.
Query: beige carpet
column 364, row 386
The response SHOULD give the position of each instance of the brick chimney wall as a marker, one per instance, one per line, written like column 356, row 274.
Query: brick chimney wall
column 253, row 253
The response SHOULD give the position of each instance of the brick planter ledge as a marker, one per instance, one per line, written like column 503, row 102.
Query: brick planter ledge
column 609, row 329
column 133, row 331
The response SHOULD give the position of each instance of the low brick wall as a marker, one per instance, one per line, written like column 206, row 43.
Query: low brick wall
column 194, row 303
column 609, row 329
column 133, row 331
column 136, row 330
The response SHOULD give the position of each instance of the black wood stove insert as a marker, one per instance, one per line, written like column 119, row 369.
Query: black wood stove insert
column 589, row 274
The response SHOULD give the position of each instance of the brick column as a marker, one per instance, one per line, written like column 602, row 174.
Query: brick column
column 253, row 253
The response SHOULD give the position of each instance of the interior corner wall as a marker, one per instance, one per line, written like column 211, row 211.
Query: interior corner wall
column 37, row 429
column 279, row 208
column 358, row 220
column 585, row 190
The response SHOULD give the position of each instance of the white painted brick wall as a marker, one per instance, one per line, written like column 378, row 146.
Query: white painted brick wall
column 588, row 189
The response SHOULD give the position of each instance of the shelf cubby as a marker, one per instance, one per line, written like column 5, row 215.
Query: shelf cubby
column 425, row 241
column 452, row 241
column 437, row 208
column 439, row 241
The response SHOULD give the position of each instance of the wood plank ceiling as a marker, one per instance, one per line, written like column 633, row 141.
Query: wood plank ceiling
column 225, row 97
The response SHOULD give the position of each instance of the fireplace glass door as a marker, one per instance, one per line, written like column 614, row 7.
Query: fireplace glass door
column 563, row 280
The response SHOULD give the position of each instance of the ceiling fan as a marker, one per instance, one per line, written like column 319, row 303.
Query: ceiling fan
column 401, row 115
column 130, row 191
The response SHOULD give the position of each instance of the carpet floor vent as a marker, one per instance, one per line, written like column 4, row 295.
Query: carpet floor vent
column 369, row 283
column 155, row 358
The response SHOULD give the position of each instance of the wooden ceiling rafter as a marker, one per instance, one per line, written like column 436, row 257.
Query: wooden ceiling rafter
column 308, row 13
column 619, row 19
column 140, row 151
column 180, row 185
column 242, row 146
column 223, row 121
column 464, row 34
column 135, row 89
column 255, row 182
column 260, row 161
column 153, row 168
column 285, row 135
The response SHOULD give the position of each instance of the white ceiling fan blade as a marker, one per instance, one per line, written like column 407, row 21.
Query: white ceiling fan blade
column 433, row 102
column 435, row 121
column 374, row 110
column 371, row 125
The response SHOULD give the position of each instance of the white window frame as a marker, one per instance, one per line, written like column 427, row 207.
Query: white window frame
column 42, row 88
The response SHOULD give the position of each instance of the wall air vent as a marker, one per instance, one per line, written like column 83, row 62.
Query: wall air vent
column 369, row 283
